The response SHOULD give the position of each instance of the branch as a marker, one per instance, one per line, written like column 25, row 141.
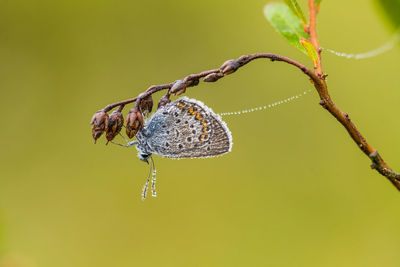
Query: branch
column 227, row 68
column 178, row 87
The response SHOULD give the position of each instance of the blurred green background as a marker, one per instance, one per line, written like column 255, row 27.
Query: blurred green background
column 295, row 190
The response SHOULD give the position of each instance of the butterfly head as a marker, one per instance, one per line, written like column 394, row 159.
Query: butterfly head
column 143, row 155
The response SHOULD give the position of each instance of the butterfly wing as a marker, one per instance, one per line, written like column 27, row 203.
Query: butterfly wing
column 186, row 128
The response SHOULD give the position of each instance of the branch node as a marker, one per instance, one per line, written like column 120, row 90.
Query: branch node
column 192, row 82
column 151, row 88
column 243, row 60
column 373, row 154
column 229, row 66
column 164, row 100
column 323, row 76
column 178, row 88
column 213, row 77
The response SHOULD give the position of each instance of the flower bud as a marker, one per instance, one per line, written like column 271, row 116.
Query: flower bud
column 229, row 66
column 163, row 101
column 192, row 82
column 178, row 88
column 134, row 121
column 146, row 105
column 115, row 123
column 213, row 77
column 100, row 123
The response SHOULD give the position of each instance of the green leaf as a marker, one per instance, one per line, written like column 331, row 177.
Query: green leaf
column 286, row 23
column 317, row 2
column 294, row 6
column 312, row 53
column 391, row 11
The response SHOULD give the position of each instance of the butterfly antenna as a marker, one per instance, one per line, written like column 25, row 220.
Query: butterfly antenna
column 146, row 185
column 373, row 53
column 266, row 107
column 153, row 178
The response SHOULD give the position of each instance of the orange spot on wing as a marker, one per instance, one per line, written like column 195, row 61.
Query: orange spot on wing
column 204, row 127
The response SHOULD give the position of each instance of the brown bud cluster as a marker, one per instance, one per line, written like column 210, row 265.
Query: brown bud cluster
column 192, row 82
column 163, row 101
column 115, row 123
column 146, row 105
column 229, row 66
column 100, row 124
column 134, row 121
column 178, row 88
column 213, row 77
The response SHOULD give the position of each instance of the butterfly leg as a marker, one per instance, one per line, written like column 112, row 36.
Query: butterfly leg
column 120, row 144
column 123, row 137
column 128, row 144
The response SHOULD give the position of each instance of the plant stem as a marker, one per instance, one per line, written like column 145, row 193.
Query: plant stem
column 312, row 29
column 320, row 85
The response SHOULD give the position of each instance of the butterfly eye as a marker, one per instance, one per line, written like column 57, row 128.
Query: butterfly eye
column 144, row 157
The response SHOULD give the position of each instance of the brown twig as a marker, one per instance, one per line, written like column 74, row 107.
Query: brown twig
column 320, row 86
column 230, row 66
column 233, row 65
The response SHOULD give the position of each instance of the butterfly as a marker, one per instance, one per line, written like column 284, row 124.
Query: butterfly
column 185, row 128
